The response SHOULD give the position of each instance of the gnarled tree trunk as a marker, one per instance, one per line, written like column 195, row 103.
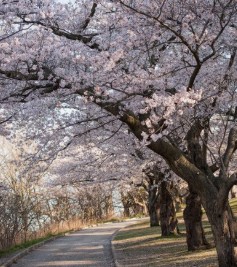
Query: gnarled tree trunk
column 221, row 228
column 168, row 219
column 193, row 222
column 153, row 206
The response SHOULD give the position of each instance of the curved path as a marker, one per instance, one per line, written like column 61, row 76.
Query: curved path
column 88, row 247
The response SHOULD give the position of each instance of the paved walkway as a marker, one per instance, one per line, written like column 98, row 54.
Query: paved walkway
column 88, row 247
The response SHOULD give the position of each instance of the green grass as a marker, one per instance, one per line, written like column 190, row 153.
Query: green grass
column 137, row 230
column 142, row 245
column 113, row 220
column 25, row 245
column 233, row 204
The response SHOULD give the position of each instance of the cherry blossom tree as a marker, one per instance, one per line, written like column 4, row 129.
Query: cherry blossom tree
column 34, row 204
column 166, row 69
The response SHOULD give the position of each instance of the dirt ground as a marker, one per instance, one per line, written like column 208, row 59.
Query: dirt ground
column 140, row 245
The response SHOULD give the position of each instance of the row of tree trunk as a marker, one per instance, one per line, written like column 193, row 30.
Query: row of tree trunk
column 162, row 213
column 161, row 209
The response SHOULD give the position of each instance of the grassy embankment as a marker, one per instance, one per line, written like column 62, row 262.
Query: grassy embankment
column 25, row 245
column 141, row 245
column 53, row 232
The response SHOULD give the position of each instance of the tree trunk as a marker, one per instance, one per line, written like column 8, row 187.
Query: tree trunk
column 219, row 220
column 126, row 205
column 153, row 206
column 168, row 218
column 153, row 218
column 232, row 223
column 193, row 222
column 126, row 211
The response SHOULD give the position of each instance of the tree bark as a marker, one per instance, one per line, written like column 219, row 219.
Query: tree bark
column 219, row 220
column 232, row 223
column 168, row 218
column 126, row 211
column 126, row 205
column 153, row 206
column 193, row 222
column 204, row 182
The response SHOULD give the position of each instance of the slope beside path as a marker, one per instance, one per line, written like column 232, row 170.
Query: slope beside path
column 87, row 247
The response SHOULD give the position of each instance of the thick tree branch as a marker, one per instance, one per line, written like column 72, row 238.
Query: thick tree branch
column 230, row 149
column 92, row 13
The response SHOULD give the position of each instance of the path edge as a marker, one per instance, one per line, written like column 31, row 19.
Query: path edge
column 24, row 252
column 116, row 263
